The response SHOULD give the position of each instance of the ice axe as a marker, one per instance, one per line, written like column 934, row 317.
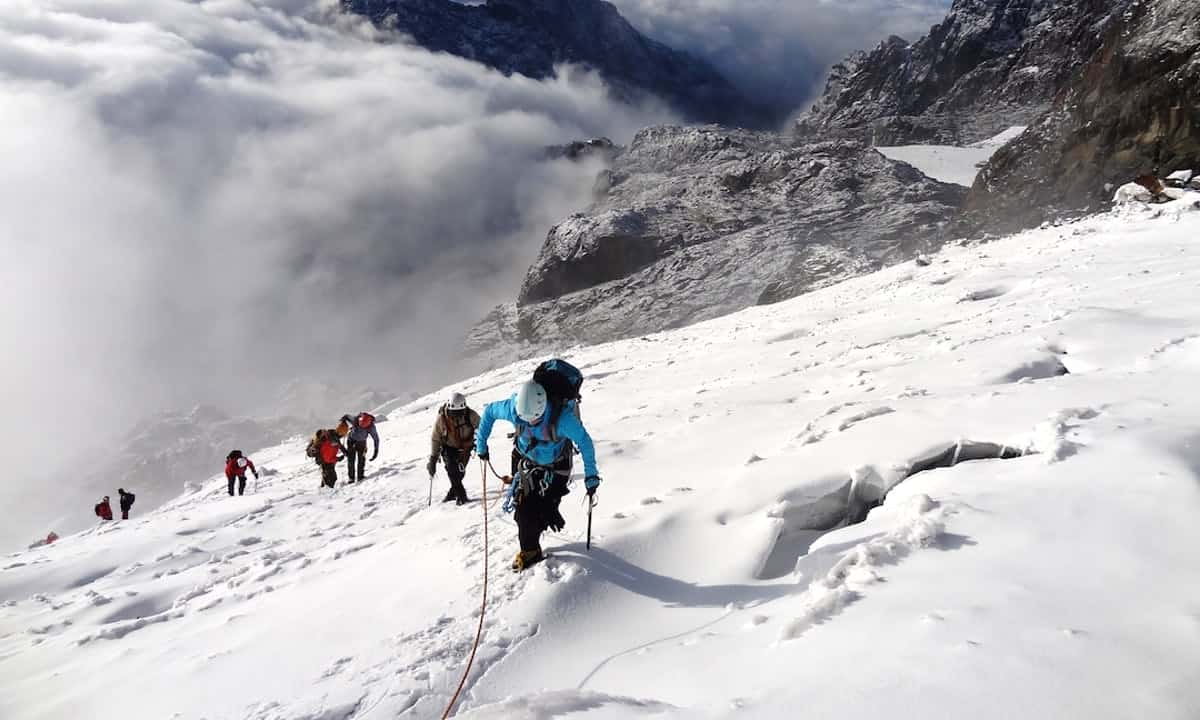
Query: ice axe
column 591, row 499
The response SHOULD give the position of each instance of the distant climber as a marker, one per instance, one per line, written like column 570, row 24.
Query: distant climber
column 236, row 465
column 126, row 500
column 360, row 428
column 453, row 440
column 104, row 510
column 327, row 450
column 546, row 424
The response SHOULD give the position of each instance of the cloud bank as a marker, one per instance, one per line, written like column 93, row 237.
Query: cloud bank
column 202, row 200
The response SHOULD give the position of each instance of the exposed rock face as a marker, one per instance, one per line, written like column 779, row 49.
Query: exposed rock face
column 601, row 148
column 531, row 37
column 989, row 65
column 1134, row 110
column 695, row 223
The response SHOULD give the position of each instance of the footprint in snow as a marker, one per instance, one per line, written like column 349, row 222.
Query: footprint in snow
column 651, row 500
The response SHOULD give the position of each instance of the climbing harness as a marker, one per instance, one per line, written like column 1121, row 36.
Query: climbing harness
column 483, row 602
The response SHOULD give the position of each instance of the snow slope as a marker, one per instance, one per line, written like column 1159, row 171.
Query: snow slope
column 958, row 165
column 1059, row 583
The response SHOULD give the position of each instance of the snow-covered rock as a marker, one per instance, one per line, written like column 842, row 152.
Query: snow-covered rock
column 1179, row 178
column 1132, row 193
column 694, row 223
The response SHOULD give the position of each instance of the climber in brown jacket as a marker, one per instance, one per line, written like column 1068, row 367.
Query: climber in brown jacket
column 453, row 440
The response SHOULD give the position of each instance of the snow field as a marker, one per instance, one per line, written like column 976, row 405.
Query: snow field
column 957, row 165
column 730, row 575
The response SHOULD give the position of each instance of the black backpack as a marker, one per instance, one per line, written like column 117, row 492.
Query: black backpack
column 562, row 381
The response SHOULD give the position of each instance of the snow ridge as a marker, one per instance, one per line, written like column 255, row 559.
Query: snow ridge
column 860, row 563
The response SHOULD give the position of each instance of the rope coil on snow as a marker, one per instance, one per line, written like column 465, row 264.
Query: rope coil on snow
column 483, row 603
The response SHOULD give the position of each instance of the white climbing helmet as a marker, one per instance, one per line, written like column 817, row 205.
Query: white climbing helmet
column 531, row 402
column 457, row 401
column 241, row 462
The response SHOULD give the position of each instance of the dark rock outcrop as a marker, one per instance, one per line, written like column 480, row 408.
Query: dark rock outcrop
column 532, row 37
column 1134, row 110
column 990, row 65
column 600, row 148
column 699, row 222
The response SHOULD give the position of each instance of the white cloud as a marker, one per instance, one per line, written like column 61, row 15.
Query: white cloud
column 202, row 199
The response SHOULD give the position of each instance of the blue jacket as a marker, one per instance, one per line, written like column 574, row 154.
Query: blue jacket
column 359, row 434
column 545, row 451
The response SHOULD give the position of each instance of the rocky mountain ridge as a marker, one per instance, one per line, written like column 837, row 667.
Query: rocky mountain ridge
column 532, row 37
column 693, row 223
column 1133, row 110
column 990, row 65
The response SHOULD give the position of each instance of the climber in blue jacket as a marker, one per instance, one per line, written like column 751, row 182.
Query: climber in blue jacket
column 545, row 432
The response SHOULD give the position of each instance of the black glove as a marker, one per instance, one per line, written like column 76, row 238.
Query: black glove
column 432, row 466
column 255, row 474
column 483, row 456
column 374, row 455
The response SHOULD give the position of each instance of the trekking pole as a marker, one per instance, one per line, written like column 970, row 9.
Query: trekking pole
column 430, row 489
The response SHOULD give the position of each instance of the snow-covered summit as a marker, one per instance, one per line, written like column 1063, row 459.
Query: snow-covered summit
column 1049, row 573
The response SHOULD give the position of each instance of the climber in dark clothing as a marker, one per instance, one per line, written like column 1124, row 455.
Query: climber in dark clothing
column 361, row 428
column 127, row 499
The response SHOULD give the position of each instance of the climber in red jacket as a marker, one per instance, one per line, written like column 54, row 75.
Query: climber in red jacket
column 236, row 465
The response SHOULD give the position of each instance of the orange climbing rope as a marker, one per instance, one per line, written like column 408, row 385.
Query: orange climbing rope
column 483, row 604
column 504, row 479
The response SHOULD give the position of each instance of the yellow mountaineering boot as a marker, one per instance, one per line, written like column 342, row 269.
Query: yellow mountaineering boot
column 526, row 558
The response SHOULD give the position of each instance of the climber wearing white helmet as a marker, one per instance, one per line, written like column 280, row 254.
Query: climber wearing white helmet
column 546, row 426
column 453, row 440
